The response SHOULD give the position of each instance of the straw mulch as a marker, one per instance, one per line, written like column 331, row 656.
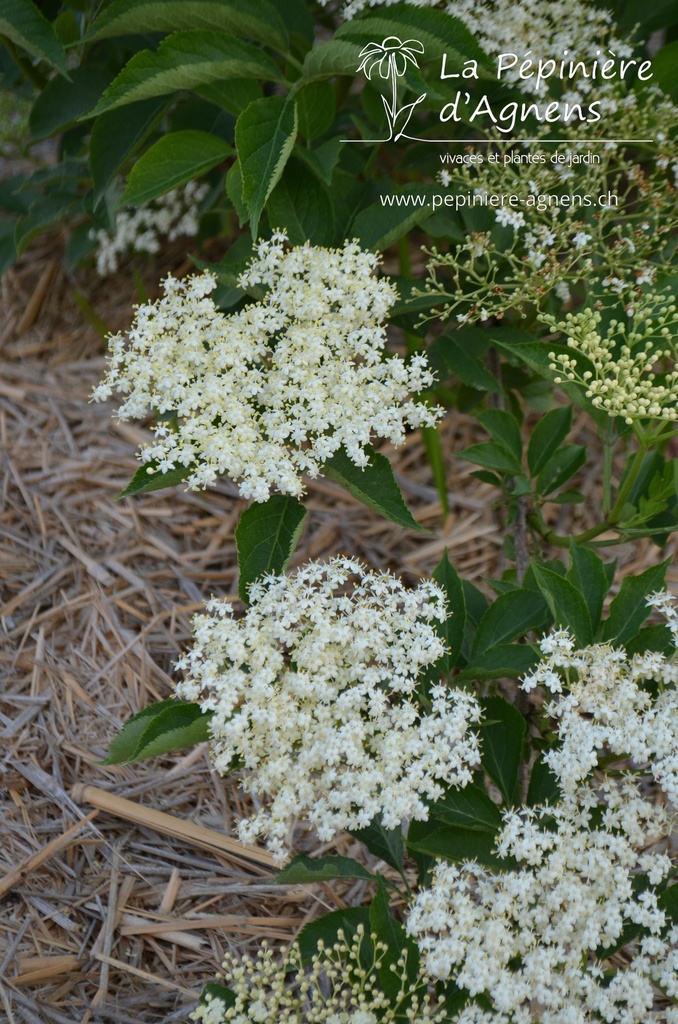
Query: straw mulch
column 122, row 886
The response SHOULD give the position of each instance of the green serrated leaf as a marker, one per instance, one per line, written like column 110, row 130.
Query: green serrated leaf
column 306, row 870
column 536, row 355
column 547, row 436
column 148, row 479
column 652, row 638
column 397, row 941
column 453, row 628
column 385, row 843
column 543, row 787
column 375, row 486
column 326, row 929
column 566, row 603
column 566, row 461
column 438, row 31
column 114, row 138
column 173, row 160
column 232, row 95
column 380, row 225
column 476, row 607
column 502, row 741
column 234, row 193
column 62, row 102
column 22, row 22
column 629, row 609
column 178, row 726
column 460, row 351
column 504, row 430
column 337, row 57
column 323, row 159
column 492, row 456
column 587, row 573
column 212, row 990
column 160, row 728
column 316, row 108
column 266, row 537
column 469, row 807
column 505, row 661
column 264, row 135
column 186, row 60
column 53, row 209
column 456, row 844
column 509, row 617
column 256, row 19
column 301, row 204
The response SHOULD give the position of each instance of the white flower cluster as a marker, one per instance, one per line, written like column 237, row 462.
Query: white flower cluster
column 533, row 938
column 174, row 215
column 625, row 380
column 606, row 707
column 313, row 690
column 274, row 390
column 341, row 986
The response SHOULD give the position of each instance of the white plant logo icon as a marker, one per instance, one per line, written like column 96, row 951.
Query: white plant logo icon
column 390, row 58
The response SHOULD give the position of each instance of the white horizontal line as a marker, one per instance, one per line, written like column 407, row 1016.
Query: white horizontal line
column 573, row 142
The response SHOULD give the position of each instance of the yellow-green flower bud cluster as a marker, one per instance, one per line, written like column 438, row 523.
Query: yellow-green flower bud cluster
column 634, row 371
column 339, row 986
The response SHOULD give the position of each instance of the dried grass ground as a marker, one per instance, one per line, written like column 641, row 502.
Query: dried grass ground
column 110, row 911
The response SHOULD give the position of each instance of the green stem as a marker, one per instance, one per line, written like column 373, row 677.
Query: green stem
column 607, row 471
column 404, row 261
column 293, row 61
column 564, row 542
column 611, row 518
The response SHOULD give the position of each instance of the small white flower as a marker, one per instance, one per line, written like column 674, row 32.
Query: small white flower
column 513, row 218
column 580, row 239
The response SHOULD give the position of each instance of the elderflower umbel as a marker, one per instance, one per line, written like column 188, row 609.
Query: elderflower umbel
column 174, row 215
column 625, row 380
column 532, row 937
column 606, row 707
column 274, row 390
column 340, row 986
column 313, row 690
